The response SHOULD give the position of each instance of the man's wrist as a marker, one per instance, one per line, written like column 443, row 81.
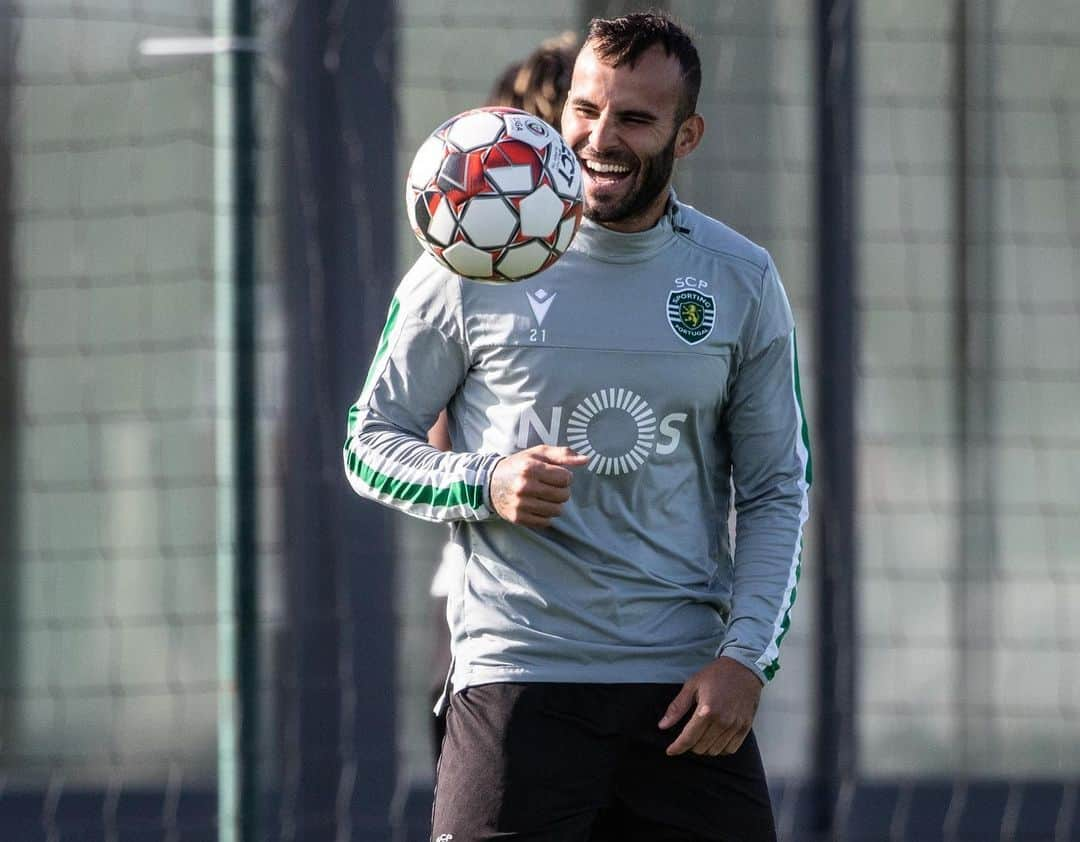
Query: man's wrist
column 489, row 491
column 746, row 662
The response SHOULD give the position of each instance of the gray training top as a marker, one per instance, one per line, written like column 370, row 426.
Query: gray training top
column 668, row 357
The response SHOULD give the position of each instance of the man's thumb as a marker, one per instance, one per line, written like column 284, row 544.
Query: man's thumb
column 678, row 707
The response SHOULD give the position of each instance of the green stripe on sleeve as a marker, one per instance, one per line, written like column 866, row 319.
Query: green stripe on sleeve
column 384, row 343
column 809, row 473
column 771, row 669
column 456, row 494
column 773, row 666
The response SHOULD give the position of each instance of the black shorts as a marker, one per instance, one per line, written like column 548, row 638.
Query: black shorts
column 586, row 763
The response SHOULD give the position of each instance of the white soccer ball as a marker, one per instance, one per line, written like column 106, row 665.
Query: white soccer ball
column 494, row 194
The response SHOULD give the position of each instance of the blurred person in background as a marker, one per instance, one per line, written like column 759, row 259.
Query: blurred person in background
column 538, row 84
column 610, row 645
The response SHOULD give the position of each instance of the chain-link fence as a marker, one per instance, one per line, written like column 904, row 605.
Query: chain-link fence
column 967, row 453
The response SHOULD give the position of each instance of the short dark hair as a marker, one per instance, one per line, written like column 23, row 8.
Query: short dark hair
column 622, row 40
column 540, row 82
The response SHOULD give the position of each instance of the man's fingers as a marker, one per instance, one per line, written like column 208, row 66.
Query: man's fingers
column 530, row 487
column 554, row 476
column 543, row 482
column 726, row 694
column 691, row 733
column 560, row 455
column 548, row 493
column 711, row 742
column 678, row 707
column 731, row 743
column 703, row 735
column 540, row 508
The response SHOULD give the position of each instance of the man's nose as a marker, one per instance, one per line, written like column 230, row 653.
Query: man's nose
column 601, row 133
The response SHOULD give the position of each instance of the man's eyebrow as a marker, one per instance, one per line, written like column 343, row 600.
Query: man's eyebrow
column 637, row 115
column 632, row 113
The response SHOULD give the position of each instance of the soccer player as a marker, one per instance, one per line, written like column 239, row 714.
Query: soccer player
column 610, row 645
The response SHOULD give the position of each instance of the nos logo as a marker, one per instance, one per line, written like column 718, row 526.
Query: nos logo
column 615, row 427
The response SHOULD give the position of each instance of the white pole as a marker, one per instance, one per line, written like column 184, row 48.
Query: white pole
column 225, row 368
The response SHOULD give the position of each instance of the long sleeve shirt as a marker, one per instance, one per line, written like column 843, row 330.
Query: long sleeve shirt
column 667, row 357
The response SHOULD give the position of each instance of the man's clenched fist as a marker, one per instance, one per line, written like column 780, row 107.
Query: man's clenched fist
column 530, row 487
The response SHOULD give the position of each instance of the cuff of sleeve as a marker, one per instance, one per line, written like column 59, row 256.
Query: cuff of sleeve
column 489, row 470
column 747, row 659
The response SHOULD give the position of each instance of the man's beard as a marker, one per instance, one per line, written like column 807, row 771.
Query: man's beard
column 655, row 174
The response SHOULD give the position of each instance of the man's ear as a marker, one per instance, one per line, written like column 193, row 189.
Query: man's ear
column 689, row 135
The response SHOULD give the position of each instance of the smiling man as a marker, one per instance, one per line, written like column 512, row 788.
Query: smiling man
column 630, row 114
column 610, row 645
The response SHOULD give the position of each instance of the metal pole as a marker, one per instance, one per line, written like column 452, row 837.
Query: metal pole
column 9, row 520
column 835, row 749
column 237, row 597
column 974, row 275
column 338, row 694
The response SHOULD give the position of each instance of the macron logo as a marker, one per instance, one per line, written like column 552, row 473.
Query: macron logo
column 540, row 303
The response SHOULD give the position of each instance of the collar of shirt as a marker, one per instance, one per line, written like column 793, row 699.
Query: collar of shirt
column 616, row 247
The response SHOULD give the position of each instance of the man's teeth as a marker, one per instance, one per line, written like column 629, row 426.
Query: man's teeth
column 596, row 166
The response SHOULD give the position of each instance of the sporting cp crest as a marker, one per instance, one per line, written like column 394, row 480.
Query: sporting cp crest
column 691, row 314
